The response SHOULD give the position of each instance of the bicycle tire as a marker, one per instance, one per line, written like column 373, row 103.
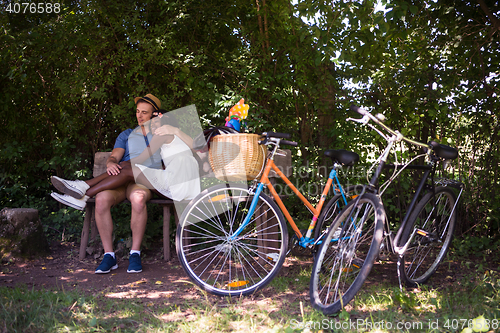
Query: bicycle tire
column 342, row 266
column 428, row 249
column 333, row 207
column 224, row 266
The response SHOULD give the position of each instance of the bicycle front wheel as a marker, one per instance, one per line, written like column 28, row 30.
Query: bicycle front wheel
column 217, row 260
column 332, row 209
column 346, row 257
column 431, row 224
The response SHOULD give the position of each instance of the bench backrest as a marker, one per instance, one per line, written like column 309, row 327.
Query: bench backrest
column 284, row 163
column 100, row 159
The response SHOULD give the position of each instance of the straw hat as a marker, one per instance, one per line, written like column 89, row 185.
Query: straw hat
column 151, row 99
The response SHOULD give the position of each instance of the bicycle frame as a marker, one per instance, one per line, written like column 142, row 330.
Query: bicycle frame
column 361, row 230
column 306, row 240
column 429, row 171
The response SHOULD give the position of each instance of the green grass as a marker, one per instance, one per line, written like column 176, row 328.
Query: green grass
column 379, row 307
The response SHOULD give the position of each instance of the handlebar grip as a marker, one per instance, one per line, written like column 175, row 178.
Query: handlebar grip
column 289, row 143
column 358, row 109
column 354, row 108
column 277, row 135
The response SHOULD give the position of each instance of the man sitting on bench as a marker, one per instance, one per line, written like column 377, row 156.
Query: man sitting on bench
column 129, row 144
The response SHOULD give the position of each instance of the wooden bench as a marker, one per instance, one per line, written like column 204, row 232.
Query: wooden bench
column 284, row 162
column 89, row 223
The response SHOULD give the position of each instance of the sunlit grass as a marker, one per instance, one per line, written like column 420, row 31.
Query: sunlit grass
column 287, row 309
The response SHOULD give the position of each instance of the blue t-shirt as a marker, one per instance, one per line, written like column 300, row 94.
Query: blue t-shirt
column 134, row 144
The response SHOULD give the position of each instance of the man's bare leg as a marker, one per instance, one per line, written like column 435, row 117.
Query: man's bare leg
column 138, row 196
column 103, row 203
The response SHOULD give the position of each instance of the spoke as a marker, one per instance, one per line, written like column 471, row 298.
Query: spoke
column 190, row 246
column 209, row 264
column 250, row 264
column 210, row 233
column 204, row 256
column 420, row 261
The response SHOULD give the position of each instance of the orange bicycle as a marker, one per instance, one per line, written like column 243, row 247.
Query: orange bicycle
column 232, row 239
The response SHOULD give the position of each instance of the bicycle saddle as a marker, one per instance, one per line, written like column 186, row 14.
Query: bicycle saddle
column 342, row 156
column 444, row 151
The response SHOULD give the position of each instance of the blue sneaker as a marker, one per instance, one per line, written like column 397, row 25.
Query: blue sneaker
column 107, row 264
column 134, row 263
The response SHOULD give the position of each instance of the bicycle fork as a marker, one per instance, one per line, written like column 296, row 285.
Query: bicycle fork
column 251, row 211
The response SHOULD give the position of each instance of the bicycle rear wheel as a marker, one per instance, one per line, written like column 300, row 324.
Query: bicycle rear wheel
column 346, row 257
column 433, row 221
column 213, row 259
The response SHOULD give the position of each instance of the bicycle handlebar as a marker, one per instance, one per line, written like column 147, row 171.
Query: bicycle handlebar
column 289, row 143
column 368, row 116
column 277, row 135
column 357, row 109
column 280, row 136
column 440, row 150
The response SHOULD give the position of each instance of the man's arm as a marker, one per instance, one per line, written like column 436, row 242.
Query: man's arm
column 112, row 164
column 155, row 144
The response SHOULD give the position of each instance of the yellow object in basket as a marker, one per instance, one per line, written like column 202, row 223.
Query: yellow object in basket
column 240, row 110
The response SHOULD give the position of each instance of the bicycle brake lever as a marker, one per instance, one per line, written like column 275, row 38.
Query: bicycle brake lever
column 363, row 120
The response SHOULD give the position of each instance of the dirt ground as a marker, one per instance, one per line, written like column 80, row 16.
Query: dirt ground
column 62, row 269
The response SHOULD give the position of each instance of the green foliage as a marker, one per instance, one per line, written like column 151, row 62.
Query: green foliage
column 476, row 246
column 406, row 300
column 63, row 225
column 69, row 79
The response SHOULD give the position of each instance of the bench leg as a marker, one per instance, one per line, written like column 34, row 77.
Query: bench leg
column 84, row 239
column 166, row 232
column 93, row 226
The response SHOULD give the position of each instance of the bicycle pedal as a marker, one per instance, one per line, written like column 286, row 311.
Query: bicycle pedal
column 357, row 263
column 336, row 234
column 429, row 235
column 422, row 232
column 273, row 256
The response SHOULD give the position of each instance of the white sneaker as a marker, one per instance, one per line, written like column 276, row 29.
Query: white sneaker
column 75, row 188
column 70, row 201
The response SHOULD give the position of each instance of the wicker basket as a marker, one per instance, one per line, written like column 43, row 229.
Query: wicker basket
column 235, row 157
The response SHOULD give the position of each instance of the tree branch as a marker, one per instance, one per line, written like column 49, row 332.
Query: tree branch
column 494, row 21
